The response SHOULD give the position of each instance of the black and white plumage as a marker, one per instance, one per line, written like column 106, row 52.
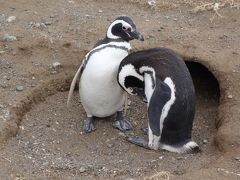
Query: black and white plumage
column 100, row 93
column 160, row 77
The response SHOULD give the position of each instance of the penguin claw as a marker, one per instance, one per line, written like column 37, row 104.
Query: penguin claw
column 88, row 125
column 122, row 125
column 145, row 131
column 138, row 141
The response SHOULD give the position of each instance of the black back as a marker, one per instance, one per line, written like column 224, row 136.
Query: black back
column 178, row 124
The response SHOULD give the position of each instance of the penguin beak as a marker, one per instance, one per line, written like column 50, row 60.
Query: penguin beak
column 137, row 35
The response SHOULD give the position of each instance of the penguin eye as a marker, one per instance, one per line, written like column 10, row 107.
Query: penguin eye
column 128, row 29
column 124, row 28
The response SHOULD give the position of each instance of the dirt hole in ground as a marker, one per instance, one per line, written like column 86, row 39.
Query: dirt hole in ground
column 50, row 142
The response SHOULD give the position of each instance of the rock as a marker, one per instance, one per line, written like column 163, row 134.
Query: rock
column 160, row 157
column 230, row 96
column 56, row 66
column 205, row 141
column 109, row 145
column 122, row 134
column 7, row 37
column 100, row 11
column 151, row 3
column 19, row 88
column 78, row 45
column 48, row 23
column 179, row 158
column 237, row 158
column 11, row 19
column 82, row 169
column 1, row 52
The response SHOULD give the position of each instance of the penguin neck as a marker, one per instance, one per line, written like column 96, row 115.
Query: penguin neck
column 107, row 40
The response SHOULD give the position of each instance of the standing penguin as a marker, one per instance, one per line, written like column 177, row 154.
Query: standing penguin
column 161, row 78
column 100, row 93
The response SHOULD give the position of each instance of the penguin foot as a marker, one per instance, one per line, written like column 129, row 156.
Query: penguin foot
column 145, row 131
column 138, row 141
column 88, row 125
column 122, row 125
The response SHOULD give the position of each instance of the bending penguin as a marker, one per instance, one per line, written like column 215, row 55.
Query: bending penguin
column 160, row 78
column 100, row 93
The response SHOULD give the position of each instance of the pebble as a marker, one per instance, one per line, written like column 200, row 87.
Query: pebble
column 109, row 145
column 82, row 169
column 179, row 158
column 205, row 141
column 100, row 11
column 1, row 52
column 237, row 158
column 78, row 45
column 151, row 3
column 7, row 37
column 19, row 88
column 47, row 23
column 56, row 66
column 121, row 134
column 11, row 19
column 230, row 96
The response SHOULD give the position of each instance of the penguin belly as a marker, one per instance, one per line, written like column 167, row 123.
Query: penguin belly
column 100, row 93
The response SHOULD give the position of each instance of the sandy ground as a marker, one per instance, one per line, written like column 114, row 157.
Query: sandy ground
column 41, row 138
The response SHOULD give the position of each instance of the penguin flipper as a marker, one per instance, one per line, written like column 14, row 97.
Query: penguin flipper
column 78, row 73
column 160, row 96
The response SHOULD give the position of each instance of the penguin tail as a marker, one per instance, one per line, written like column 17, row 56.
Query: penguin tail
column 73, row 84
column 189, row 147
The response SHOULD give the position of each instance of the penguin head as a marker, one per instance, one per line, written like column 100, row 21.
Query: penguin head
column 123, row 28
column 131, row 81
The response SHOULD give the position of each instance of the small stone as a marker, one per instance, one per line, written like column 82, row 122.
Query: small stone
column 48, row 23
column 43, row 25
column 82, row 169
column 78, row 45
column 151, row 3
column 1, row 52
column 230, row 96
column 167, row 17
column 109, row 145
column 121, row 134
column 160, row 157
column 100, row 11
column 56, row 66
column 153, row 161
column 11, row 19
column 205, row 141
column 179, row 158
column 237, row 158
column 129, row 102
column 7, row 37
column 37, row 25
column 19, row 88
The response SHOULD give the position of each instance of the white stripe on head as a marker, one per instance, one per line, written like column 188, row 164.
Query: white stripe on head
column 149, row 86
column 127, row 70
column 109, row 31
column 147, row 68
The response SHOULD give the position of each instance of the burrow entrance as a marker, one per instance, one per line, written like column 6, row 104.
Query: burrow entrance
column 50, row 143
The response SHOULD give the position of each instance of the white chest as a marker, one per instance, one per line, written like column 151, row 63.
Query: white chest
column 99, row 90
